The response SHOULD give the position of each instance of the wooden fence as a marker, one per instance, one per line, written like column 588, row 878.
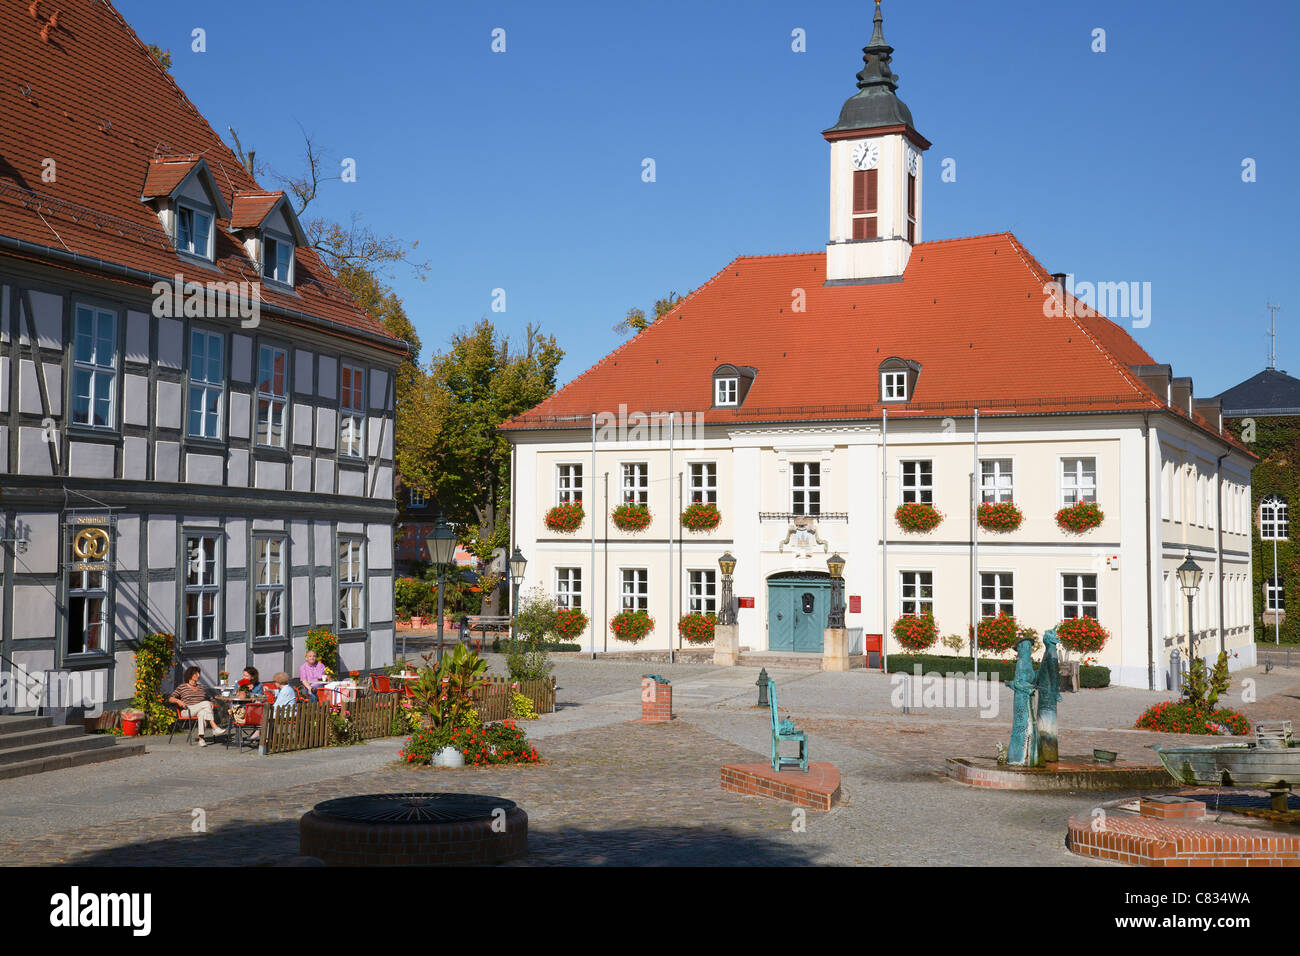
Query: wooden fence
column 305, row 726
column 493, row 700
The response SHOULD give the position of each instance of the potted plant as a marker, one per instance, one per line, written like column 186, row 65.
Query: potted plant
column 565, row 518
column 915, row 516
column 631, row 626
column 701, row 517
column 631, row 517
column 999, row 516
column 1080, row 517
column 697, row 628
column 916, row 632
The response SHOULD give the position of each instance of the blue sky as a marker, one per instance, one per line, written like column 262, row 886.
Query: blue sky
column 522, row 170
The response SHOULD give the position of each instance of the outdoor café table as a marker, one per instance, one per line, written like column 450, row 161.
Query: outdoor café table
column 341, row 691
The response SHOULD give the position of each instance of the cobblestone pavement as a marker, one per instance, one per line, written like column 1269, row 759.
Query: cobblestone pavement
column 614, row 791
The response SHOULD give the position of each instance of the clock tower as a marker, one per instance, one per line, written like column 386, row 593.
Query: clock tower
column 875, row 176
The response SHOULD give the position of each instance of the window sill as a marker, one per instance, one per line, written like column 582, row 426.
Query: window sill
column 95, row 433
column 199, row 443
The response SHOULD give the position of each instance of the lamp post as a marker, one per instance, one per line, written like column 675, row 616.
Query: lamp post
column 727, row 563
column 836, row 566
column 517, row 564
column 1189, row 576
column 441, row 544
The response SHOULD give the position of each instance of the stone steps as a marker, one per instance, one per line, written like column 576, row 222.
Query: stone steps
column 31, row 745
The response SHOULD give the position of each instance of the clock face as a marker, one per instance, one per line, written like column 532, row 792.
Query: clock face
column 912, row 158
column 865, row 155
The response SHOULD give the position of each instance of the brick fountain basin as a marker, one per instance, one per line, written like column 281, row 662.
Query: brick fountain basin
column 414, row 829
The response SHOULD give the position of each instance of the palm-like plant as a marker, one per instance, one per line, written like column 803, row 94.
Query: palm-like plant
column 446, row 692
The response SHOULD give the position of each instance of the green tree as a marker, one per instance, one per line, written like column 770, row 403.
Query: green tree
column 636, row 322
column 164, row 57
column 454, row 452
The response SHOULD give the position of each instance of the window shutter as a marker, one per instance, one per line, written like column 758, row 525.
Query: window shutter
column 911, row 195
column 859, row 191
column 873, row 176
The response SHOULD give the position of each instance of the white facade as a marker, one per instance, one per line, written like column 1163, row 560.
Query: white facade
column 1167, row 484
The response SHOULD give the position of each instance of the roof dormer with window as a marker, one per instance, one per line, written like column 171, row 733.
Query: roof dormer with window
column 898, row 378
column 270, row 232
column 731, row 384
column 184, row 194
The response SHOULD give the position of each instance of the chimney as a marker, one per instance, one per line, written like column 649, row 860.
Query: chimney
column 1059, row 277
column 251, row 154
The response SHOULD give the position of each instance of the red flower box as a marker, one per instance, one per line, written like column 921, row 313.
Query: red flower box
column 918, row 517
column 565, row 518
column 1084, row 635
column 631, row 626
column 701, row 517
column 1080, row 517
column 697, row 628
column 631, row 517
column 999, row 516
column 916, row 632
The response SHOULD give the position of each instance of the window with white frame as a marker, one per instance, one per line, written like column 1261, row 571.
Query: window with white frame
column 636, row 589
column 194, row 232
column 352, row 585
column 417, row 499
column 1273, row 522
column 352, row 410
column 1274, row 594
column 726, row 391
column 207, row 383
column 94, row 368
column 568, row 484
column 996, row 595
column 1078, row 595
column 568, row 588
column 277, row 260
column 704, row 483
column 703, row 591
column 996, row 483
column 806, row 487
column 918, row 482
column 87, row 604
column 636, row 483
column 272, row 395
column 917, row 592
column 1078, row 480
column 202, row 588
column 893, row 386
column 268, row 587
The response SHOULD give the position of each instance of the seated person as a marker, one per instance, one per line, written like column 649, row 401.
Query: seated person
column 286, row 696
column 312, row 672
column 250, row 684
column 192, row 701
column 304, row 693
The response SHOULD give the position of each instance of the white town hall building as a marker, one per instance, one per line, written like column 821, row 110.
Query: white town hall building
column 957, row 362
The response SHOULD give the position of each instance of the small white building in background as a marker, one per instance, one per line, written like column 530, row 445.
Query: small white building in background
column 810, row 395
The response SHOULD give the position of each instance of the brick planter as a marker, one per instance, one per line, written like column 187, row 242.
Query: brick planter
column 656, row 699
column 414, row 829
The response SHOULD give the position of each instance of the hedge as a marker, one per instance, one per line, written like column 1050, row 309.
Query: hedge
column 498, row 644
column 1089, row 676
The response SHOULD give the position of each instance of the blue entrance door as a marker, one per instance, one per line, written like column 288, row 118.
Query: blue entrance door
column 797, row 610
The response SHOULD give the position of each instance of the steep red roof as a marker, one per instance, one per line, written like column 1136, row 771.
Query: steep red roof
column 90, row 97
column 970, row 311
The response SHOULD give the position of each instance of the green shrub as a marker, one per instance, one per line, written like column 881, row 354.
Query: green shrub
column 326, row 645
column 1089, row 676
column 153, row 662
column 527, row 662
column 535, row 616
column 522, row 706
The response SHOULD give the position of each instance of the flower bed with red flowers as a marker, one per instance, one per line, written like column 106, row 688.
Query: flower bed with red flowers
column 1180, row 717
column 916, row 632
column 701, row 517
column 1082, row 634
column 631, row 626
column 999, row 516
column 631, row 517
column 998, row 633
column 1080, row 517
column 565, row 518
column 480, row 746
column 697, row 628
column 570, row 622
column 917, row 517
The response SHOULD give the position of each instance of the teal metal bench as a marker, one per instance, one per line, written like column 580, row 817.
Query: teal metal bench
column 785, row 730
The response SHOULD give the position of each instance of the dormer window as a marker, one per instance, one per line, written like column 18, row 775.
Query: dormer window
column 726, row 391
column 277, row 260
column 893, row 386
column 193, row 232
column 898, row 379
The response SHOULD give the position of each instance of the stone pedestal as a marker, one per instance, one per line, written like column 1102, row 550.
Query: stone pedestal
column 835, row 656
column 726, row 645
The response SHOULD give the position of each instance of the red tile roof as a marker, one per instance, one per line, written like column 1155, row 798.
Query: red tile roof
column 249, row 209
column 970, row 311
column 92, row 98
